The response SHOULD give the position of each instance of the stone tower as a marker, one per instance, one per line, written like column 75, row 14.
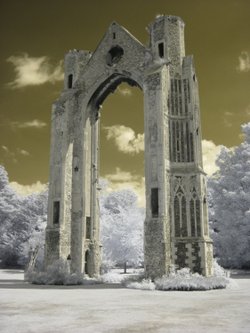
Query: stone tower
column 176, row 224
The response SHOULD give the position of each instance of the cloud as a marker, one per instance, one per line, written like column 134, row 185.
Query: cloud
column 243, row 62
column 28, row 189
column 121, row 176
column 23, row 152
column 36, row 123
column 125, row 139
column 247, row 110
column 5, row 149
column 228, row 119
column 13, row 155
column 125, row 91
column 227, row 123
column 9, row 154
column 126, row 180
column 32, row 71
column 210, row 152
column 228, row 113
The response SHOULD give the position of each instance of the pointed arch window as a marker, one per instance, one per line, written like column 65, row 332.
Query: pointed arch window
column 195, row 219
column 180, row 213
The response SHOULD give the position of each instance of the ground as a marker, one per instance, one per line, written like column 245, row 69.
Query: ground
column 26, row 308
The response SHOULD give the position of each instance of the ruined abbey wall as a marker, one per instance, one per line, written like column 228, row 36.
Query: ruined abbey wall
column 176, row 224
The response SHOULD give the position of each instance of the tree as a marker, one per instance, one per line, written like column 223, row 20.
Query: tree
column 229, row 194
column 122, row 227
column 19, row 217
column 23, row 221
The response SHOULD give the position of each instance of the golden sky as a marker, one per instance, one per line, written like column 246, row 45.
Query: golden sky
column 35, row 35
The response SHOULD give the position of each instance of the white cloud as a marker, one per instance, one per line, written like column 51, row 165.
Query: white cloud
column 227, row 122
column 247, row 110
column 126, row 180
column 23, row 152
column 125, row 91
column 5, row 149
column 243, row 62
column 13, row 155
column 227, row 119
column 228, row 113
column 34, row 71
column 9, row 154
column 125, row 139
column 121, row 176
column 36, row 123
column 210, row 152
column 28, row 189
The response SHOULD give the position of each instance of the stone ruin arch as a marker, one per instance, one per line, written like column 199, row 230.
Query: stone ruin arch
column 176, row 224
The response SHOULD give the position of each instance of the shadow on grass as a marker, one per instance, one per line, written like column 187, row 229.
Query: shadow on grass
column 13, row 271
column 18, row 284
column 240, row 274
column 8, row 283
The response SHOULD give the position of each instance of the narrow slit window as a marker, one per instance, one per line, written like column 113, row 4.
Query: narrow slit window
column 154, row 202
column 161, row 50
column 88, row 227
column 70, row 81
column 56, row 212
column 114, row 35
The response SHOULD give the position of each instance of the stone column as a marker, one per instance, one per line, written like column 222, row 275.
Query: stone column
column 78, row 182
column 94, row 246
column 157, row 250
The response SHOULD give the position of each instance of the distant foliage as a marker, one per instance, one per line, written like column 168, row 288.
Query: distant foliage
column 229, row 201
column 22, row 221
column 122, row 227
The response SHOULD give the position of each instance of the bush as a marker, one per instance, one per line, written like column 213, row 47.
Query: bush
column 184, row 279
column 57, row 274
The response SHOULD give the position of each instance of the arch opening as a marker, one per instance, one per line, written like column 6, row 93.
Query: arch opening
column 109, row 86
column 125, row 163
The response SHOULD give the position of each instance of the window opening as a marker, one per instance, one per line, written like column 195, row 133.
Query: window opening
column 56, row 212
column 114, row 55
column 161, row 50
column 86, row 266
column 70, row 81
column 88, row 227
column 177, row 216
column 154, row 202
